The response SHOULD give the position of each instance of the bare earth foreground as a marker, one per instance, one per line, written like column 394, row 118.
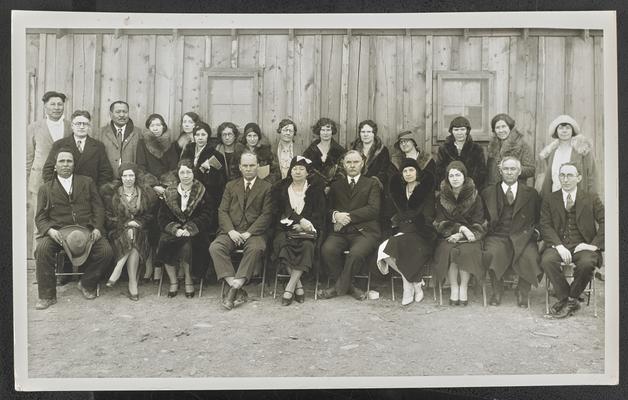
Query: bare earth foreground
column 112, row 336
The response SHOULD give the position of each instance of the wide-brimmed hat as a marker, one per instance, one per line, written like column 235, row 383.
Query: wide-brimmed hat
column 407, row 134
column 77, row 243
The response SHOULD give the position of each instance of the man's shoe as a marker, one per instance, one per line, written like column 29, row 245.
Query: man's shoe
column 227, row 302
column 357, row 293
column 42, row 304
column 241, row 297
column 558, row 307
column 327, row 294
column 88, row 294
column 522, row 299
column 495, row 300
column 63, row 279
column 572, row 306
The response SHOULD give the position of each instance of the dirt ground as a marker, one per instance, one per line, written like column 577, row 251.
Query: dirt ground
column 112, row 336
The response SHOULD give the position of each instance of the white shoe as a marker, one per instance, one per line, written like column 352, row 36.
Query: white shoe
column 408, row 293
column 418, row 291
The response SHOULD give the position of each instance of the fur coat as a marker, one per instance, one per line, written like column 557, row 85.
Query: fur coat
column 377, row 161
column 467, row 210
column 332, row 168
column 472, row 155
column 414, row 214
column 513, row 146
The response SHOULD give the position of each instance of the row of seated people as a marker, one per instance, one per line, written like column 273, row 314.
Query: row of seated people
column 454, row 225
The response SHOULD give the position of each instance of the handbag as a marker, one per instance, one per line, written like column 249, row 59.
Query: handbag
column 302, row 235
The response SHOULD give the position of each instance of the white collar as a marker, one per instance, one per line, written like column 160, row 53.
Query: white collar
column 355, row 178
column 76, row 139
column 123, row 127
column 573, row 195
column 57, row 122
column 68, row 179
column 513, row 188
column 252, row 182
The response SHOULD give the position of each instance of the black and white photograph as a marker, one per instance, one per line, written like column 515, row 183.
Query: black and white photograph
column 222, row 201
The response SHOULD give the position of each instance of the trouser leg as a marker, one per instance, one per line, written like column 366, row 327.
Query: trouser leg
column 550, row 263
column 586, row 261
column 45, row 255
column 98, row 264
column 360, row 249
column 331, row 251
column 220, row 250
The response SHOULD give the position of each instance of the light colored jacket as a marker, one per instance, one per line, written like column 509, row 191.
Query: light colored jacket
column 38, row 144
column 116, row 156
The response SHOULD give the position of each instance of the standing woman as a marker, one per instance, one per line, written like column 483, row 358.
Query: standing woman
column 568, row 146
column 412, row 193
column 459, row 146
column 377, row 158
column 282, row 158
column 183, row 217
column 508, row 142
column 156, row 153
column 252, row 140
column 230, row 148
column 325, row 153
column 297, row 210
column 189, row 120
column 130, row 213
column 460, row 225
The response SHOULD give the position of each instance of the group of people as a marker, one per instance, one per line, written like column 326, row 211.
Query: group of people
column 131, row 197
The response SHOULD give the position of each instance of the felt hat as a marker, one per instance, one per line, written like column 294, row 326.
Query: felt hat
column 77, row 243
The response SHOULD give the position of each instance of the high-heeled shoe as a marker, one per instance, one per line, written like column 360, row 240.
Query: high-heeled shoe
column 173, row 293
column 134, row 297
column 299, row 298
column 189, row 294
column 286, row 301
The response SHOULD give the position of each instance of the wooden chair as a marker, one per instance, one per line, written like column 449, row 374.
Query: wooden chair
column 60, row 270
column 236, row 257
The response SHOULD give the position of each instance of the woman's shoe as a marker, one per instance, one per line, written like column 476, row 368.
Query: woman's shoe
column 418, row 291
column 189, row 294
column 408, row 293
column 454, row 302
column 286, row 301
column 171, row 292
column 110, row 283
column 134, row 297
column 299, row 298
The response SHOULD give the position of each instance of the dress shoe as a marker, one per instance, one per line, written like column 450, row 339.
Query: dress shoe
column 357, row 293
column 88, row 294
column 110, row 283
column 408, row 293
column 570, row 309
column 327, row 294
column 62, row 280
column 496, row 298
column 189, row 294
column 134, row 297
column 454, row 302
column 42, row 304
column 228, row 301
column 522, row 299
column 558, row 307
column 241, row 297
column 286, row 301
column 299, row 297
column 418, row 291
column 173, row 292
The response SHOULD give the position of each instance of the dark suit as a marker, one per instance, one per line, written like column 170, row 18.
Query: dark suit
column 254, row 218
column 57, row 209
column 589, row 212
column 92, row 162
column 360, row 237
column 518, row 247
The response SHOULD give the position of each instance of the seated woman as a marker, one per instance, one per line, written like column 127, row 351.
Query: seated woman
column 230, row 148
column 252, row 140
column 189, row 120
column 297, row 210
column 130, row 215
column 210, row 167
column 568, row 146
column 460, row 225
column 412, row 193
column 325, row 153
column 183, row 217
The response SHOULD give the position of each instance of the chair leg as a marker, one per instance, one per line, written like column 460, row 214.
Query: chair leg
column 392, row 286
column 161, row 280
column 316, row 285
column 484, row 292
column 200, row 289
column 546, row 294
column 261, row 295
column 594, row 296
column 368, row 283
column 440, row 293
column 275, row 286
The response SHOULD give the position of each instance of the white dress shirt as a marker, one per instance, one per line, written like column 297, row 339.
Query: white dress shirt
column 573, row 196
column 66, row 183
column 55, row 128
column 513, row 189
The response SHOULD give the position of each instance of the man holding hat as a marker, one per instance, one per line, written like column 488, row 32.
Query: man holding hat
column 70, row 216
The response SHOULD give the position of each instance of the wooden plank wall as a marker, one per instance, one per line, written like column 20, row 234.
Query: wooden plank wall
column 386, row 77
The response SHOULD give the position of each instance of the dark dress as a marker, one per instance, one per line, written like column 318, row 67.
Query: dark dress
column 472, row 156
column 296, row 253
column 331, row 169
column 195, row 218
column 451, row 213
column 120, row 211
column 232, row 160
column 158, row 158
column 413, row 218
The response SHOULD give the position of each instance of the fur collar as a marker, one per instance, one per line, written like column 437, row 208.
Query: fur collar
column 156, row 146
column 336, row 151
column 173, row 200
column 398, row 193
column 376, row 148
column 465, row 199
column 579, row 143
column 507, row 146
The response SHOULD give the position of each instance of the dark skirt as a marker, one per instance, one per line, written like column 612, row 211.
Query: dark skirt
column 411, row 253
column 468, row 257
column 193, row 250
column 122, row 244
column 293, row 253
column 499, row 253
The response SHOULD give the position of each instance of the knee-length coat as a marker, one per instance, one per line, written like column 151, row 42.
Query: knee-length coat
column 452, row 213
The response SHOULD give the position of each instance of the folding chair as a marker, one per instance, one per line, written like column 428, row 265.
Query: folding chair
column 60, row 270
column 483, row 283
column 568, row 273
column 236, row 257
column 357, row 276
column 394, row 275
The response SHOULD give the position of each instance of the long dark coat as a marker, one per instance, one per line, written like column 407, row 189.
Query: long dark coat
column 451, row 213
column 471, row 155
column 331, row 169
column 157, row 158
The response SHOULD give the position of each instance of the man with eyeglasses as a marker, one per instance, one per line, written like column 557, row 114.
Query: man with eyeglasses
column 572, row 226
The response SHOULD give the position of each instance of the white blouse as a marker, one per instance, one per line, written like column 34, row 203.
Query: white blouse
column 297, row 199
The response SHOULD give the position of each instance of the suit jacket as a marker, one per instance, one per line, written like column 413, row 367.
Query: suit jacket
column 92, row 162
column 108, row 136
column 38, row 145
column 255, row 218
column 525, row 215
column 589, row 211
column 56, row 209
column 362, row 204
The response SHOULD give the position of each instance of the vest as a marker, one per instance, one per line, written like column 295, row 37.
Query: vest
column 504, row 225
column 570, row 235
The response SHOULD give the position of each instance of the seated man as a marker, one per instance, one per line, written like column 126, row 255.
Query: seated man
column 354, row 203
column 65, row 200
column 244, row 216
column 512, row 211
column 568, row 227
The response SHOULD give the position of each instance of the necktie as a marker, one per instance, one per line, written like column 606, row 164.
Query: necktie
column 569, row 202
column 79, row 144
column 352, row 183
column 510, row 197
column 246, row 192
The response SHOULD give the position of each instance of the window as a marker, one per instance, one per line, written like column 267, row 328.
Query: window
column 229, row 95
column 467, row 94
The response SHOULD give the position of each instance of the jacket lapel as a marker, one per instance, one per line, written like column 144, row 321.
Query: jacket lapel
column 239, row 192
column 254, row 191
column 558, row 208
column 579, row 204
column 521, row 199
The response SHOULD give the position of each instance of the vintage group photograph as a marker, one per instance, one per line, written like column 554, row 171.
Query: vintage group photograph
column 332, row 201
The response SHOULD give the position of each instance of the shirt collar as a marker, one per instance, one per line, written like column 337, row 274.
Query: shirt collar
column 57, row 122
column 252, row 181
column 573, row 195
column 117, row 128
column 513, row 187
column 355, row 178
column 66, row 180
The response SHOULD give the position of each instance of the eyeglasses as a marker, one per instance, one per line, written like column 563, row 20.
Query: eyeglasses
column 80, row 123
column 567, row 176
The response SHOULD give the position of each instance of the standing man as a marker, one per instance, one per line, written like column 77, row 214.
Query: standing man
column 244, row 217
column 568, row 226
column 354, row 203
column 120, row 136
column 88, row 154
column 40, row 135
column 66, row 200
column 513, row 213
